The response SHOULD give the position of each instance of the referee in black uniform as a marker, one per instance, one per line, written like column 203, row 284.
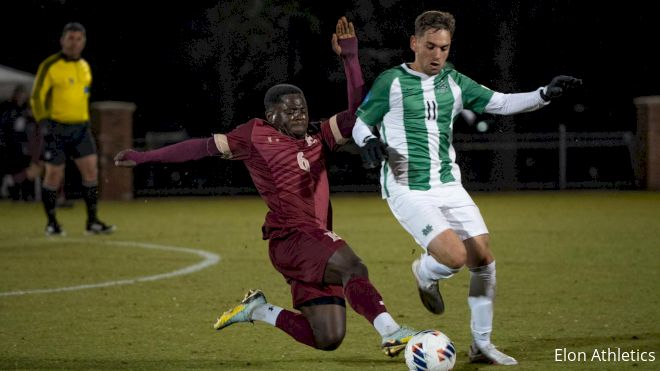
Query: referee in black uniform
column 60, row 103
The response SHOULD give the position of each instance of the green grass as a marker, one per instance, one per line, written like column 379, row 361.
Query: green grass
column 576, row 270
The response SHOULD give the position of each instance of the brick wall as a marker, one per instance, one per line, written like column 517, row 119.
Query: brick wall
column 112, row 124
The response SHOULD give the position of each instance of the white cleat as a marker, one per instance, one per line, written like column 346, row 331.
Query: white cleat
column 489, row 354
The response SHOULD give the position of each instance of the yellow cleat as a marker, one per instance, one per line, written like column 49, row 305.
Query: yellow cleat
column 243, row 311
column 395, row 343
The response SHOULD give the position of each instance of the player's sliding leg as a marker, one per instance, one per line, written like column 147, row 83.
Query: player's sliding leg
column 254, row 307
column 323, row 326
column 319, row 294
column 346, row 267
column 366, row 301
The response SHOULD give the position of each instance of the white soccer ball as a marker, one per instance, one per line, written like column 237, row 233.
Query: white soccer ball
column 430, row 350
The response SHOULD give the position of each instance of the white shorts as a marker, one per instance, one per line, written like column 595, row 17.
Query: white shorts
column 426, row 214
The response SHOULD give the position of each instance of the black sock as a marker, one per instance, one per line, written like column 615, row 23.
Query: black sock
column 91, row 196
column 49, row 197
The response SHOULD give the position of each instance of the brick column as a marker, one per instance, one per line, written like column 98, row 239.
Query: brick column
column 112, row 124
column 647, row 169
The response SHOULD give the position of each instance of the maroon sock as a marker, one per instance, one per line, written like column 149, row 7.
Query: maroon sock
column 297, row 326
column 364, row 298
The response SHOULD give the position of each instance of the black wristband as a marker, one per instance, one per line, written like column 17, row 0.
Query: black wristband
column 543, row 96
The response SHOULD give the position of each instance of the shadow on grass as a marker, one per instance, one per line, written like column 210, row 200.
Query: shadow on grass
column 533, row 354
column 35, row 363
column 648, row 341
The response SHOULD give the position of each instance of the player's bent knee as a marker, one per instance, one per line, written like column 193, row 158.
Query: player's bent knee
column 328, row 342
column 448, row 249
column 454, row 258
column 457, row 259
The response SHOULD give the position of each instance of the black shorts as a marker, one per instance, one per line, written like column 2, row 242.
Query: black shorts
column 67, row 140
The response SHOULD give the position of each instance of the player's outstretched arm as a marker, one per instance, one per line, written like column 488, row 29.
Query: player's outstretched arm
column 508, row 104
column 188, row 150
column 344, row 43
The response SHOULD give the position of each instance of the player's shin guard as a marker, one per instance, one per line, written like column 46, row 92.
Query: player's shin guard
column 91, row 196
column 364, row 298
column 297, row 326
column 480, row 298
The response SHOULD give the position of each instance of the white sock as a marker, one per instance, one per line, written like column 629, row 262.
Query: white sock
column 385, row 324
column 266, row 313
column 480, row 299
column 431, row 269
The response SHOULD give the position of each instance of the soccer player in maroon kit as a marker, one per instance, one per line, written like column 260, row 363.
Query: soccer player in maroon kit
column 287, row 165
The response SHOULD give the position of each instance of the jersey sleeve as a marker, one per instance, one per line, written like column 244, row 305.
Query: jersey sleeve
column 336, row 131
column 353, row 71
column 236, row 144
column 42, row 85
column 475, row 96
column 377, row 102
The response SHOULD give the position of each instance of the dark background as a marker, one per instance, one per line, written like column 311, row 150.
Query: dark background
column 204, row 66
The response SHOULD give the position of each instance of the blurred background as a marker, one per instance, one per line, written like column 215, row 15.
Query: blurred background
column 200, row 67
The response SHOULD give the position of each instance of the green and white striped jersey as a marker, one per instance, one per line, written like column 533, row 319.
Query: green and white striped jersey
column 415, row 114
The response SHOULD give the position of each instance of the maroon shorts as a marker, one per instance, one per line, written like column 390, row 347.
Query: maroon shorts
column 301, row 257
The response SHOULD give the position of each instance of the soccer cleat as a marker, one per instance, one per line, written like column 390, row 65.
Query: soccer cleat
column 395, row 343
column 243, row 311
column 98, row 227
column 54, row 229
column 429, row 291
column 489, row 354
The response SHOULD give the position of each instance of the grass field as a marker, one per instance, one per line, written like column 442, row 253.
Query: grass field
column 576, row 270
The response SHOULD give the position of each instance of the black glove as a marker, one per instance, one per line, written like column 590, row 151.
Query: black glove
column 373, row 153
column 559, row 85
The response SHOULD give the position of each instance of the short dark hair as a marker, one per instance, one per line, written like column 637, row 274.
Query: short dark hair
column 434, row 19
column 274, row 94
column 74, row 26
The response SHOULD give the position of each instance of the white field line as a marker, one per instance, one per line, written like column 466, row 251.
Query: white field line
column 209, row 260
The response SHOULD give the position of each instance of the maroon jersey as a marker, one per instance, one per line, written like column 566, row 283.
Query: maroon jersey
column 290, row 174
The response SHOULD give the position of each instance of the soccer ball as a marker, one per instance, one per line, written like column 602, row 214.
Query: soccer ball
column 430, row 350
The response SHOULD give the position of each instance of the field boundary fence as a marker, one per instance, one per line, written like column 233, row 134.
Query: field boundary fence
column 553, row 162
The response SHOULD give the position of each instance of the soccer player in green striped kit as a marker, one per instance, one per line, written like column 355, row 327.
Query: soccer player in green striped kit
column 413, row 106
